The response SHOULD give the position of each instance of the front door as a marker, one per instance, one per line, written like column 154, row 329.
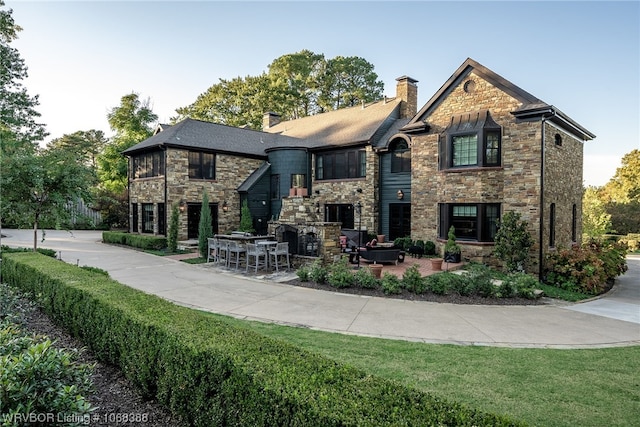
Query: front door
column 193, row 219
column 399, row 220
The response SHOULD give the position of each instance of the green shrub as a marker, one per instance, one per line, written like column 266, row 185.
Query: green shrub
column 402, row 242
column 436, row 284
column 35, row 377
column 205, row 230
column 429, row 248
column 521, row 284
column 174, row 225
column 413, row 281
column 318, row 272
column 209, row 372
column 513, row 241
column 585, row 268
column 480, row 278
column 340, row 275
column 303, row 273
column 391, row 284
column 365, row 279
column 47, row 252
column 139, row 241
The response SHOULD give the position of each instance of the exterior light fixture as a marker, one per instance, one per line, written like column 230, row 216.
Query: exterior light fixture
column 225, row 207
column 183, row 206
column 400, row 195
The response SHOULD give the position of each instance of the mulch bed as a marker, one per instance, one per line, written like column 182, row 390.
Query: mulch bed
column 452, row 298
column 117, row 400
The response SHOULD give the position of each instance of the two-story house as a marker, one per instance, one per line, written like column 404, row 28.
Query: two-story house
column 481, row 146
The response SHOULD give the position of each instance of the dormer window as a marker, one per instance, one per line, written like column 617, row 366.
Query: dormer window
column 471, row 140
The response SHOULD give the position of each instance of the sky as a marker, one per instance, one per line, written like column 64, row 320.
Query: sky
column 581, row 57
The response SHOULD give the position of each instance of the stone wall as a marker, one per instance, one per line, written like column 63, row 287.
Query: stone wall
column 328, row 234
column 352, row 191
column 562, row 186
column 231, row 171
column 516, row 184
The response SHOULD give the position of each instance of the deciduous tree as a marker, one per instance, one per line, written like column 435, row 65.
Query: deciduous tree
column 19, row 128
column 132, row 123
column 296, row 85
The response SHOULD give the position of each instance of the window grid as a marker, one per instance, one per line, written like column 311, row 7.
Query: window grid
column 492, row 151
column 465, row 150
column 341, row 164
column 147, row 217
column 202, row 165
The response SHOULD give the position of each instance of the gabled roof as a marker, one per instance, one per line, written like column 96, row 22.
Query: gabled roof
column 347, row 126
column 196, row 134
column 531, row 107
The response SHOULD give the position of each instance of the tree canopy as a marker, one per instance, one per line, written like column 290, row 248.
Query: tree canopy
column 296, row 85
column 615, row 207
column 131, row 121
column 19, row 128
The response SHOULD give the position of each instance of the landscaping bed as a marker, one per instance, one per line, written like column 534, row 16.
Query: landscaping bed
column 114, row 396
column 427, row 296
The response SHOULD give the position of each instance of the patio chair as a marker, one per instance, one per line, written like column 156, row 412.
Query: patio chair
column 281, row 250
column 257, row 253
column 213, row 251
column 223, row 252
column 235, row 251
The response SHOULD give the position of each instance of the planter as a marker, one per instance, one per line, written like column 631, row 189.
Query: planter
column 376, row 269
column 452, row 258
column 436, row 264
column 380, row 238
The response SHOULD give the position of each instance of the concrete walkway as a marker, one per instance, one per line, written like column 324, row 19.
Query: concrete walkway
column 613, row 320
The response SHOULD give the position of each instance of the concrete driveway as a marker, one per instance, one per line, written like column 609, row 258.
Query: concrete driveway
column 613, row 320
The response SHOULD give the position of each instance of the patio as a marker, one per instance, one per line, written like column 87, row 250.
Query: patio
column 424, row 265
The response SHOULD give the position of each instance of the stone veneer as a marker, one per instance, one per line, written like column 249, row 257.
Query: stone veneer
column 231, row 171
column 516, row 184
column 346, row 191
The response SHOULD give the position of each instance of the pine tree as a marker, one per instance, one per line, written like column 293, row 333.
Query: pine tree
column 205, row 231
column 246, row 221
column 172, row 235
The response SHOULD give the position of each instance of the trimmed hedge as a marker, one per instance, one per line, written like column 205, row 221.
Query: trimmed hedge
column 134, row 240
column 209, row 372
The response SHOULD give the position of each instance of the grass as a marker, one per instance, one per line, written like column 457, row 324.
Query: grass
column 198, row 260
column 557, row 293
column 165, row 252
column 544, row 387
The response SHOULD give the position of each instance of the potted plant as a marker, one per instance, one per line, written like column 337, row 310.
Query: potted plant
column 452, row 252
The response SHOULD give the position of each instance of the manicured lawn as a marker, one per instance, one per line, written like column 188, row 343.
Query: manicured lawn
column 544, row 387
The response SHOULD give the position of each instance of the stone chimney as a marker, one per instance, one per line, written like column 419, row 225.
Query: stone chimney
column 407, row 91
column 269, row 120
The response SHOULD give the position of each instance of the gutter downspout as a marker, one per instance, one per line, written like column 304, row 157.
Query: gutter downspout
column 167, row 208
column 551, row 113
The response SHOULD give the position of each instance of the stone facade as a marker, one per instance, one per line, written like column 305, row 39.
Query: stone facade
column 231, row 171
column 539, row 172
column 352, row 191
column 516, row 184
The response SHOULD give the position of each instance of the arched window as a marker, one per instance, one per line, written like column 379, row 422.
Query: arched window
column 400, row 156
